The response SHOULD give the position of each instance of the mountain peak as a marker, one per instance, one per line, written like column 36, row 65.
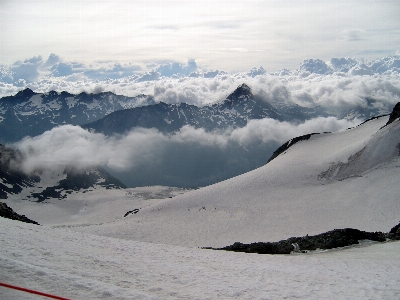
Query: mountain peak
column 25, row 93
column 243, row 88
column 242, row 91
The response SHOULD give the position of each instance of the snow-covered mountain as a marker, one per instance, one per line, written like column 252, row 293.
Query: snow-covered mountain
column 345, row 179
column 315, row 184
column 120, row 244
column 177, row 163
column 30, row 113
column 235, row 111
column 45, row 184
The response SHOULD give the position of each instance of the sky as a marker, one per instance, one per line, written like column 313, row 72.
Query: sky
column 228, row 35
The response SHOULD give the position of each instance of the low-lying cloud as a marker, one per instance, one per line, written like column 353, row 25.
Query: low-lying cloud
column 75, row 147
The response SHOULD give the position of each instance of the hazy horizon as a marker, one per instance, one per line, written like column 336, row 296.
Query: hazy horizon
column 229, row 35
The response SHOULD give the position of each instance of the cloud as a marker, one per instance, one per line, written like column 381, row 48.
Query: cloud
column 335, row 91
column 267, row 130
column 27, row 69
column 338, row 84
column 6, row 75
column 176, row 68
column 75, row 147
column 342, row 64
column 52, row 60
column 150, row 76
column 214, row 73
column 316, row 66
column 256, row 71
column 353, row 35
column 63, row 69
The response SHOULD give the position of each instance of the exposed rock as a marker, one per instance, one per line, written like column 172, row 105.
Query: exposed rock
column 13, row 180
column 290, row 143
column 394, row 233
column 332, row 239
column 7, row 212
column 135, row 211
column 395, row 114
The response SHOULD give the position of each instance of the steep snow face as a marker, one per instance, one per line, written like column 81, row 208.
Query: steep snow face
column 381, row 149
column 290, row 196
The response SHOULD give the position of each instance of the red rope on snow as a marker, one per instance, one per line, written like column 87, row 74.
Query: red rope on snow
column 31, row 291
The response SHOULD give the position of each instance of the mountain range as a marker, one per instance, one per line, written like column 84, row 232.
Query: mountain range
column 330, row 180
column 30, row 113
column 127, row 243
column 184, row 165
column 235, row 111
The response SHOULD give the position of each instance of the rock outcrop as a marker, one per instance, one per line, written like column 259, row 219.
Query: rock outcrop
column 290, row 143
column 395, row 114
column 7, row 212
column 332, row 239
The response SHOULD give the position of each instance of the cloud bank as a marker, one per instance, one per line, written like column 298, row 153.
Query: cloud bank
column 187, row 157
column 336, row 84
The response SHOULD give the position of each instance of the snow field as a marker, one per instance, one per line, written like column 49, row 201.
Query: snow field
column 84, row 266
column 86, row 249
column 293, row 195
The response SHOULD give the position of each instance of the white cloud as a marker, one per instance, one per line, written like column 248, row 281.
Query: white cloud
column 348, row 83
column 73, row 146
column 27, row 69
column 267, row 130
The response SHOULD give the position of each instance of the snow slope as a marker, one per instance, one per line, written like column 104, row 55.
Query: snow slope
column 83, row 266
column 346, row 179
column 88, row 250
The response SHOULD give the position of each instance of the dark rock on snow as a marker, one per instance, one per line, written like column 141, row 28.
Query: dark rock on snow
column 332, row 239
column 135, row 211
column 290, row 143
column 394, row 233
column 395, row 114
column 7, row 212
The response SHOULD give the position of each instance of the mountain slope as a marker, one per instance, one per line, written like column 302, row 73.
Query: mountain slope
column 45, row 184
column 233, row 112
column 314, row 186
column 292, row 195
column 29, row 113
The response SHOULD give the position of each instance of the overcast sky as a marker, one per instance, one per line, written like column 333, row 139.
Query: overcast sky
column 229, row 35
